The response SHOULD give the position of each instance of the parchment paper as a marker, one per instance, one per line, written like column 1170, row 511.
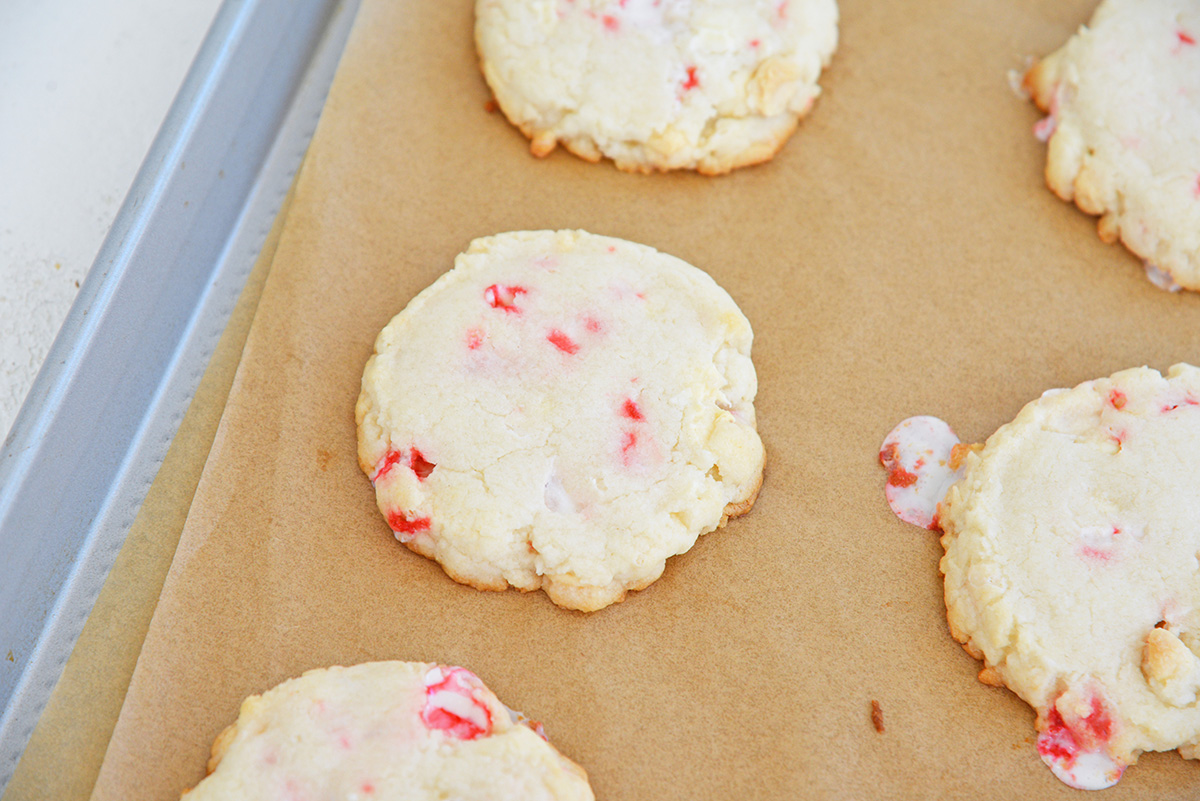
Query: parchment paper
column 900, row 256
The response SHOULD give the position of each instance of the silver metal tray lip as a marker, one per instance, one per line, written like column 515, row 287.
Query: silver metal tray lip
column 95, row 427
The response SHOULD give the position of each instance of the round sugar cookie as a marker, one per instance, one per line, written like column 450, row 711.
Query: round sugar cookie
column 1123, row 97
column 708, row 85
column 561, row 411
column 385, row 731
column 1071, row 568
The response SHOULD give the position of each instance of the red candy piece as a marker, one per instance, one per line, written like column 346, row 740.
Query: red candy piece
column 452, row 704
column 1185, row 38
column 628, row 443
column 416, row 462
column 562, row 342
column 1100, row 545
column 403, row 522
column 1056, row 741
column 390, row 460
column 1064, row 740
column 420, row 465
column 474, row 338
column 1117, row 399
column 692, row 81
column 631, row 410
column 1098, row 724
column 889, row 457
column 499, row 296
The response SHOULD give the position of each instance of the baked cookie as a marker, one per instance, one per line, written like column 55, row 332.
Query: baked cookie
column 561, row 411
column 1123, row 97
column 386, row 731
column 708, row 85
column 1071, row 568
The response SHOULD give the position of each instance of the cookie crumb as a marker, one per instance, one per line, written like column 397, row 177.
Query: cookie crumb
column 876, row 716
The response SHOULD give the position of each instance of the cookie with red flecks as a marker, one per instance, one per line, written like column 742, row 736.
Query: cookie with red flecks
column 1123, row 97
column 561, row 411
column 708, row 85
column 1071, row 567
column 387, row 731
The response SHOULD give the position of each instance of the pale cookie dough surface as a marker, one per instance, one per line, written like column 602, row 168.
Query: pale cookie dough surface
column 384, row 731
column 1124, row 129
column 561, row 411
column 1071, row 565
column 709, row 85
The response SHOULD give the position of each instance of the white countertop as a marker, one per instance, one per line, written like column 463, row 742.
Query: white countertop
column 84, row 86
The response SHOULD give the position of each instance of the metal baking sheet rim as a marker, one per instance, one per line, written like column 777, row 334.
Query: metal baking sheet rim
column 109, row 398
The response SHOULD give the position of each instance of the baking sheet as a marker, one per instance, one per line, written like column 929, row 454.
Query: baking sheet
column 83, row 709
column 900, row 256
column 96, row 424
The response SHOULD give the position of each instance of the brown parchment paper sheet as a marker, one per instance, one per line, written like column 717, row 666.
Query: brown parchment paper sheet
column 900, row 256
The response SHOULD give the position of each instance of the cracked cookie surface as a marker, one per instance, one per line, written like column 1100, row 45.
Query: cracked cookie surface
column 1123, row 97
column 390, row 731
column 709, row 85
column 1071, row 568
column 561, row 411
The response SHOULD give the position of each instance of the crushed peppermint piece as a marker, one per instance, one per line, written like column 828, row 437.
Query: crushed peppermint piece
column 917, row 454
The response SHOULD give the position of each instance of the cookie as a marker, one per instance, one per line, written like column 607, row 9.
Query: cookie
column 561, row 411
column 708, row 85
column 386, row 731
column 1071, row 546
column 1123, row 97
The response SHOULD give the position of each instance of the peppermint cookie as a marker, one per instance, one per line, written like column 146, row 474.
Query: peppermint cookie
column 386, row 731
column 1071, row 568
column 1123, row 97
column 708, row 85
column 561, row 411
